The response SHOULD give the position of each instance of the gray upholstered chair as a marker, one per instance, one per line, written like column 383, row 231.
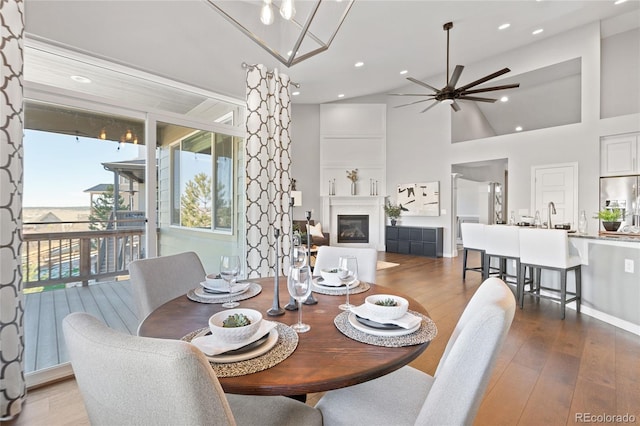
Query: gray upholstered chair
column 328, row 256
column 157, row 280
column 452, row 396
column 130, row 380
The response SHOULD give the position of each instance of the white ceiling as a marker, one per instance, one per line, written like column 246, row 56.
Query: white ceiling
column 186, row 40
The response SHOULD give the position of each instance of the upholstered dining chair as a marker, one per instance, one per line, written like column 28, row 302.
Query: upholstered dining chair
column 452, row 396
column 128, row 379
column 328, row 257
column 472, row 240
column 157, row 280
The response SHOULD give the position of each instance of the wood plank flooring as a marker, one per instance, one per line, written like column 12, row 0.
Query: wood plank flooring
column 549, row 370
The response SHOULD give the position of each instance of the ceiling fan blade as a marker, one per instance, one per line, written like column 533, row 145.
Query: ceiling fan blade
column 490, row 89
column 430, row 106
column 418, row 82
column 410, row 94
column 412, row 103
column 483, row 79
column 476, row 99
column 455, row 76
column 455, row 106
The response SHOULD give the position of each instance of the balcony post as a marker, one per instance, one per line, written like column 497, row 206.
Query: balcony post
column 85, row 260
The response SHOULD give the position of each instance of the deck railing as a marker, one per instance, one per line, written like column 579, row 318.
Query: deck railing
column 50, row 258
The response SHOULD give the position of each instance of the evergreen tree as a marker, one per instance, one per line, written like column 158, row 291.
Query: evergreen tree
column 196, row 202
column 103, row 207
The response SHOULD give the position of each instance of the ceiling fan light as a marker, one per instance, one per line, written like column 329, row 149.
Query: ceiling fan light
column 447, row 101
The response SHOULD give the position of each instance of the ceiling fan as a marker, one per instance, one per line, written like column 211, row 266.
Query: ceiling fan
column 449, row 94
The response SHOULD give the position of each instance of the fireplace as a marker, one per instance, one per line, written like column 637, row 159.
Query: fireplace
column 353, row 228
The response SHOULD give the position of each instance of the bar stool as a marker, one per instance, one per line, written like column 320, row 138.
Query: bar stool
column 549, row 249
column 503, row 242
column 472, row 239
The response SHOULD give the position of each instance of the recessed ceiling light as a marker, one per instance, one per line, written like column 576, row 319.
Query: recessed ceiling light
column 538, row 31
column 403, row 72
column 504, row 26
column 80, row 79
column 504, row 99
column 619, row 1
column 359, row 64
column 341, row 95
column 295, row 93
column 519, row 129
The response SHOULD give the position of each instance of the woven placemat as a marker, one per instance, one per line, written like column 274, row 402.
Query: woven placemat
column 341, row 291
column 426, row 333
column 253, row 290
column 286, row 344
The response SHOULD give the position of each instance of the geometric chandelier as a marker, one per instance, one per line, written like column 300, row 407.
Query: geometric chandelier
column 290, row 30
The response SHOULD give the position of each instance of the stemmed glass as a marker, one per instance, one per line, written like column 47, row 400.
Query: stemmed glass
column 348, row 273
column 299, row 286
column 229, row 270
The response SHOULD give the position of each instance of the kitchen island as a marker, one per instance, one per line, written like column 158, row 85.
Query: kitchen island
column 610, row 278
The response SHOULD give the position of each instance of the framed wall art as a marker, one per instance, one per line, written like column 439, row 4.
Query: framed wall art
column 419, row 199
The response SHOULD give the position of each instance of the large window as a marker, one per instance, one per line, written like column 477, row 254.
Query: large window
column 202, row 181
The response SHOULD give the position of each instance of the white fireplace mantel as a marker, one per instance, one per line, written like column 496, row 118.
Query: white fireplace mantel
column 332, row 206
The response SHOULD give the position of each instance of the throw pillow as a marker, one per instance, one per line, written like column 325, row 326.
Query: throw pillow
column 316, row 230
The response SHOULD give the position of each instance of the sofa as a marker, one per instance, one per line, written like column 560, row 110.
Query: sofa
column 316, row 239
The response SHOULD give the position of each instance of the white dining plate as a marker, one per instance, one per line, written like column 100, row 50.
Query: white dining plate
column 379, row 332
column 200, row 292
column 320, row 282
column 223, row 358
column 237, row 288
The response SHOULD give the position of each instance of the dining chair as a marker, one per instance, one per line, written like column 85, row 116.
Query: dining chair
column 126, row 379
column 157, row 280
column 328, row 256
column 453, row 394
column 549, row 249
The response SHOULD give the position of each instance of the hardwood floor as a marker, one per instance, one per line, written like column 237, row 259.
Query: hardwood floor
column 549, row 370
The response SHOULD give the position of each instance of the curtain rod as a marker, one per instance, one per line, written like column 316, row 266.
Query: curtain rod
column 269, row 74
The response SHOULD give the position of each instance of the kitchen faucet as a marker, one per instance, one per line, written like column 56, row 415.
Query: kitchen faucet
column 552, row 210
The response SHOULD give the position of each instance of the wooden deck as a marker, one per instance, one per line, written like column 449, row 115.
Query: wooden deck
column 111, row 302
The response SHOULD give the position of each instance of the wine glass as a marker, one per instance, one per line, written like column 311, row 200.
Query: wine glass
column 299, row 286
column 229, row 270
column 299, row 256
column 348, row 273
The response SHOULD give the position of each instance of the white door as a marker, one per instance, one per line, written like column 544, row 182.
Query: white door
column 556, row 183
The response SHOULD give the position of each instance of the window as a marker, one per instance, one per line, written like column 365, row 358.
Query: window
column 202, row 182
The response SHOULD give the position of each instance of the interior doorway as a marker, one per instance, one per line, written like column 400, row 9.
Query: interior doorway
column 556, row 183
column 478, row 194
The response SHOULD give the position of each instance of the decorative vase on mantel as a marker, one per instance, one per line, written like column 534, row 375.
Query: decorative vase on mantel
column 394, row 222
column 353, row 188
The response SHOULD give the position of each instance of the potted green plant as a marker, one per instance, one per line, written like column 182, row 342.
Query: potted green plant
column 610, row 218
column 393, row 211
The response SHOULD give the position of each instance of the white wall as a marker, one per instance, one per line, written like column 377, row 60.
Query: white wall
column 419, row 147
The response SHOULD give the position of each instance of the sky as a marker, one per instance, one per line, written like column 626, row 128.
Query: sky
column 59, row 168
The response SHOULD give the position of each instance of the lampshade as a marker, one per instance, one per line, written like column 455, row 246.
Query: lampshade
column 290, row 30
column 296, row 196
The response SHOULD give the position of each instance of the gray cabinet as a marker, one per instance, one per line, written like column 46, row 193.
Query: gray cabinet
column 414, row 240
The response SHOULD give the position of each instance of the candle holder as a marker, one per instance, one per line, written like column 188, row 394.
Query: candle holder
column 292, row 305
column 276, row 310
column 309, row 300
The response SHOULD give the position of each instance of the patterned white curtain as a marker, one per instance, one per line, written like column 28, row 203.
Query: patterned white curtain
column 268, row 163
column 12, row 384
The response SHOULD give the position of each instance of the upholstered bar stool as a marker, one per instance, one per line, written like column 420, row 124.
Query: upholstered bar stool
column 472, row 239
column 502, row 242
column 549, row 249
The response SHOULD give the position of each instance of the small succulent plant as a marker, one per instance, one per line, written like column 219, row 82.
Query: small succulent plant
column 236, row 320
column 387, row 302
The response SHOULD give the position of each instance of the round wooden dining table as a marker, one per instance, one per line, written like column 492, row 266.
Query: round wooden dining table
column 324, row 359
